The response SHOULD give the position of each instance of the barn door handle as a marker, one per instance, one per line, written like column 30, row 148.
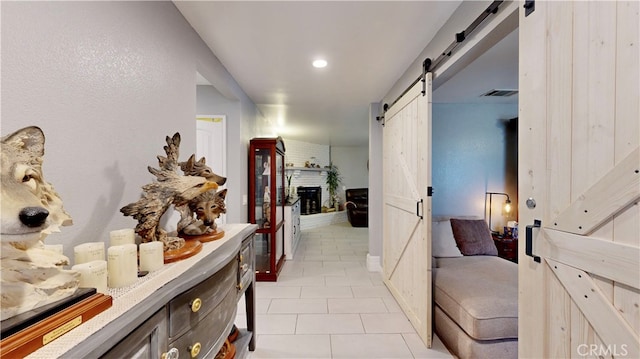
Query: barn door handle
column 528, row 249
column 419, row 204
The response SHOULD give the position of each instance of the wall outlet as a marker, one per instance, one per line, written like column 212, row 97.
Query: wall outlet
column 245, row 200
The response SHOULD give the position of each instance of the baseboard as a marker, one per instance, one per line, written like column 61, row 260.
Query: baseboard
column 373, row 263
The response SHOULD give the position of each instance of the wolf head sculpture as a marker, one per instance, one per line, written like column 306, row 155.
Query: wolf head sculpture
column 31, row 276
column 31, row 208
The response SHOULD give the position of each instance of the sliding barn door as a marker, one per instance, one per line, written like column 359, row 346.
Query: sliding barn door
column 407, row 207
column 580, row 163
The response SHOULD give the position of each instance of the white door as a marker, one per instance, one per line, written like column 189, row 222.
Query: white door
column 211, row 143
column 579, row 162
column 407, row 206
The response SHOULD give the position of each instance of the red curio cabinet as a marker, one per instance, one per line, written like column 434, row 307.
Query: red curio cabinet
column 266, row 204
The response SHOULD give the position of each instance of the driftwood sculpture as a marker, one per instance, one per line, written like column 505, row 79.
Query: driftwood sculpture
column 171, row 188
column 31, row 276
column 206, row 207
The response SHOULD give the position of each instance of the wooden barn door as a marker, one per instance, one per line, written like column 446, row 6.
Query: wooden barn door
column 407, row 206
column 580, row 163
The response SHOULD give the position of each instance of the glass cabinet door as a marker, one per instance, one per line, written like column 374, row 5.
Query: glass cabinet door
column 266, row 204
column 279, row 200
column 262, row 247
column 262, row 185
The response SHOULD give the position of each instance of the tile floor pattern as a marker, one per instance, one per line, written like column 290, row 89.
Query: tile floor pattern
column 326, row 304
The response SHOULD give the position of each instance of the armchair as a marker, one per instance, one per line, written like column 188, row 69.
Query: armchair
column 357, row 204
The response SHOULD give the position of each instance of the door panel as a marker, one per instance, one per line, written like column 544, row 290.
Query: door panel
column 580, row 162
column 407, row 208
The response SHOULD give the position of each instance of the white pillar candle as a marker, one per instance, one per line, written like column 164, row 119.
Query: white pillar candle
column 87, row 252
column 93, row 275
column 122, row 265
column 54, row 248
column 122, row 236
column 151, row 256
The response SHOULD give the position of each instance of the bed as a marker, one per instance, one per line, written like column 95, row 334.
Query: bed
column 475, row 291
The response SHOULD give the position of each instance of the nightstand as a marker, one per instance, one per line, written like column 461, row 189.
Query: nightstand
column 507, row 247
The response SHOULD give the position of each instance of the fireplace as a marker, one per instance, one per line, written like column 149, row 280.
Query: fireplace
column 310, row 199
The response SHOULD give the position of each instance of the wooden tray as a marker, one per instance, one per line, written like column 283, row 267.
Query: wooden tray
column 190, row 248
column 204, row 238
column 22, row 321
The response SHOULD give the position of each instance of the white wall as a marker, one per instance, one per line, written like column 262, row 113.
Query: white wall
column 107, row 81
column 352, row 164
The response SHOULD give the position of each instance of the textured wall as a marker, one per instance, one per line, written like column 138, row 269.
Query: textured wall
column 472, row 154
column 107, row 81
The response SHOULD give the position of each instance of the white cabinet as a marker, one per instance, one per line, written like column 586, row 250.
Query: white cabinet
column 292, row 231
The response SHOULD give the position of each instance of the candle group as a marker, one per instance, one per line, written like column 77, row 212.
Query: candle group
column 120, row 268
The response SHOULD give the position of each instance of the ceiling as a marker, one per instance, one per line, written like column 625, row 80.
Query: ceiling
column 268, row 47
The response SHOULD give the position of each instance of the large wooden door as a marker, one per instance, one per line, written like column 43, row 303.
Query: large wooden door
column 579, row 161
column 407, row 206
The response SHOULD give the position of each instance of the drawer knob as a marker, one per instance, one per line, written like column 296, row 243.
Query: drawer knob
column 196, row 304
column 173, row 353
column 194, row 350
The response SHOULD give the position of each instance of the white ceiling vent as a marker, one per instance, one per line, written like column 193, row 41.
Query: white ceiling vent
column 499, row 93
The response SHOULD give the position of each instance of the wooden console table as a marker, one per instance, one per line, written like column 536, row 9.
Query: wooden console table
column 186, row 309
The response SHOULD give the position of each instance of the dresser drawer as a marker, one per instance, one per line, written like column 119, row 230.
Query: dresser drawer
column 187, row 309
column 149, row 340
column 210, row 332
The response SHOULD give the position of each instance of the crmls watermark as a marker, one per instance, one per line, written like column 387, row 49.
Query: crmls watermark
column 600, row 350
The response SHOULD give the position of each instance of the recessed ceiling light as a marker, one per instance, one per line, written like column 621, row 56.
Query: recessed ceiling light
column 320, row 63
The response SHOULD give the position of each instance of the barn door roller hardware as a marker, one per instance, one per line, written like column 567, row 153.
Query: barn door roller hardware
column 528, row 249
column 462, row 36
column 425, row 68
column 429, row 65
column 381, row 118
column 529, row 6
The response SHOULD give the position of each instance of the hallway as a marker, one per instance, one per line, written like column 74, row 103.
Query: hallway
column 327, row 305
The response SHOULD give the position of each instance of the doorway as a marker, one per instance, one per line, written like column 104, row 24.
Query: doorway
column 211, row 129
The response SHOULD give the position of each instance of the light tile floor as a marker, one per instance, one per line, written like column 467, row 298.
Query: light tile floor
column 326, row 304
